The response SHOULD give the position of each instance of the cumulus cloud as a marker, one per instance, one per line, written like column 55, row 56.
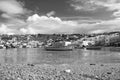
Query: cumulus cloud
column 23, row 30
column 5, row 30
column 44, row 24
column 49, row 25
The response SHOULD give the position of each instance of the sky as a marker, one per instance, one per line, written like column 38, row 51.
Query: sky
column 59, row 16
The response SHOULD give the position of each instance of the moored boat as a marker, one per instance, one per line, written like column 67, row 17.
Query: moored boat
column 59, row 46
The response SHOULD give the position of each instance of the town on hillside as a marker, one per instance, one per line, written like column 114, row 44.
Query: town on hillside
column 77, row 40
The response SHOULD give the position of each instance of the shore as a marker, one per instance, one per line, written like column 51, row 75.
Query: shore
column 60, row 72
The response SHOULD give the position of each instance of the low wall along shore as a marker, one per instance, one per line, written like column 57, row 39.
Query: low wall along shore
column 60, row 72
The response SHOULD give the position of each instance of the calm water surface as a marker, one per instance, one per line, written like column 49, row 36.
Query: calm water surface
column 40, row 56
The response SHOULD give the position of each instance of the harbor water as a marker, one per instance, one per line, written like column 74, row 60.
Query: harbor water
column 40, row 56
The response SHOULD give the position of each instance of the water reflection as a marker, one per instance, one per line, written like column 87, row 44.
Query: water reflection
column 39, row 56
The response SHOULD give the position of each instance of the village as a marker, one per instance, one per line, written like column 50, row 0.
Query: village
column 77, row 40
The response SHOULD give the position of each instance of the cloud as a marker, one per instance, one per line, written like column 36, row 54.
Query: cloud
column 5, row 30
column 117, row 13
column 23, row 30
column 29, row 30
column 86, row 5
column 4, row 15
column 11, row 7
column 49, row 25
column 98, row 31
column 44, row 24
column 110, row 4
column 51, row 13
column 91, row 5
column 106, row 26
column 12, row 12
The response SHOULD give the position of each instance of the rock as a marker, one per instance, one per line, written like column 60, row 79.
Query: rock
column 88, row 79
column 102, row 65
column 68, row 70
column 92, row 64
column 109, row 73
column 30, row 64
column 19, row 78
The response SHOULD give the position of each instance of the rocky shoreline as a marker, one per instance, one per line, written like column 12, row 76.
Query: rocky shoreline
column 86, row 71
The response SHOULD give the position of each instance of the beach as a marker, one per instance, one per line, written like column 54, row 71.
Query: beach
column 86, row 71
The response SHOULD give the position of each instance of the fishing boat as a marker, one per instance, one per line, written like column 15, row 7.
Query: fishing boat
column 59, row 46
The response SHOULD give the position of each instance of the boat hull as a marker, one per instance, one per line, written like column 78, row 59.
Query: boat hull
column 93, row 48
column 58, row 49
